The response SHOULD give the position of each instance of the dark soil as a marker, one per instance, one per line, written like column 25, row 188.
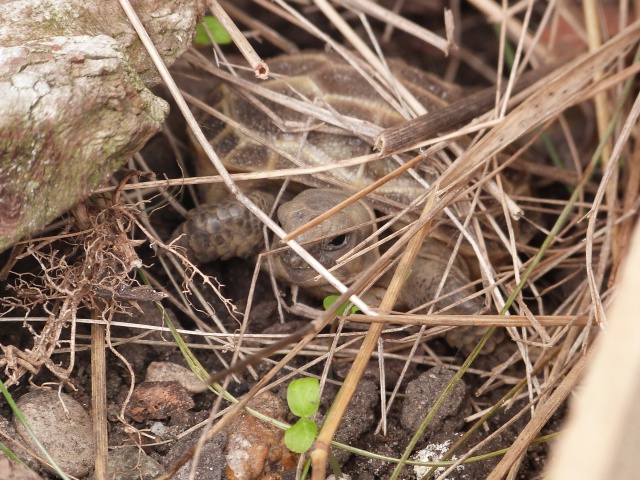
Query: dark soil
column 161, row 413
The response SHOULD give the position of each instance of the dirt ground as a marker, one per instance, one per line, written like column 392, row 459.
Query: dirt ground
column 108, row 260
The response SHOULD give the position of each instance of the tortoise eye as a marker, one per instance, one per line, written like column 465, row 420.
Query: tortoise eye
column 339, row 241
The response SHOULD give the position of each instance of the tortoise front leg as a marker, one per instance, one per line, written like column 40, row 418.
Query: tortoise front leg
column 422, row 287
column 224, row 230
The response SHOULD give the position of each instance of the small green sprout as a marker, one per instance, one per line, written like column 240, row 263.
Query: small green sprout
column 331, row 299
column 303, row 397
column 220, row 35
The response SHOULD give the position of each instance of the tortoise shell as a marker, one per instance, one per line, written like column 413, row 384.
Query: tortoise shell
column 261, row 134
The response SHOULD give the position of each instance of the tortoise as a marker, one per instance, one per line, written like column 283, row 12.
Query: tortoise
column 353, row 111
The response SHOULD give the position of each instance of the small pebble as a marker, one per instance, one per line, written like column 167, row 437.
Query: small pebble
column 158, row 401
column 438, row 445
column 255, row 449
column 433, row 452
column 62, row 425
column 172, row 372
column 423, row 392
column 131, row 463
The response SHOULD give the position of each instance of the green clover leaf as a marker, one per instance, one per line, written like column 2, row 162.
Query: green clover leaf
column 300, row 436
column 303, row 396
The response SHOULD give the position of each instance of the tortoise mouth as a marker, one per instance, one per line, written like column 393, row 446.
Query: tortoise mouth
column 290, row 268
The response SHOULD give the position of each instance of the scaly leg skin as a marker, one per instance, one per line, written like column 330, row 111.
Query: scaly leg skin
column 224, row 230
column 421, row 287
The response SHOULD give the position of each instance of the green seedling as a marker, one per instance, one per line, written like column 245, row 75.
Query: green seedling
column 219, row 34
column 331, row 299
column 303, row 397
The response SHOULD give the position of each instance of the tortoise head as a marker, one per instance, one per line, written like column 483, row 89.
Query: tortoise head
column 326, row 242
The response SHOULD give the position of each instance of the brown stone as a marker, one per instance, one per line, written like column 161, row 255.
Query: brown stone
column 255, row 449
column 158, row 401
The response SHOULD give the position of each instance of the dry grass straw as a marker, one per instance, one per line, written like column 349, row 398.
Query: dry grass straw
column 554, row 295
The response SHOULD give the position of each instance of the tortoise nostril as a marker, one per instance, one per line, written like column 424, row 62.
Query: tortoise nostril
column 292, row 259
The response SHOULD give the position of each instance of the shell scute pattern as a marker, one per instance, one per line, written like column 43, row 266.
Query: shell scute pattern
column 272, row 136
column 325, row 81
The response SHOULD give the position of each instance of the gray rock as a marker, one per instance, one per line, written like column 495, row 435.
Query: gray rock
column 65, row 430
column 131, row 463
column 422, row 394
column 172, row 372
